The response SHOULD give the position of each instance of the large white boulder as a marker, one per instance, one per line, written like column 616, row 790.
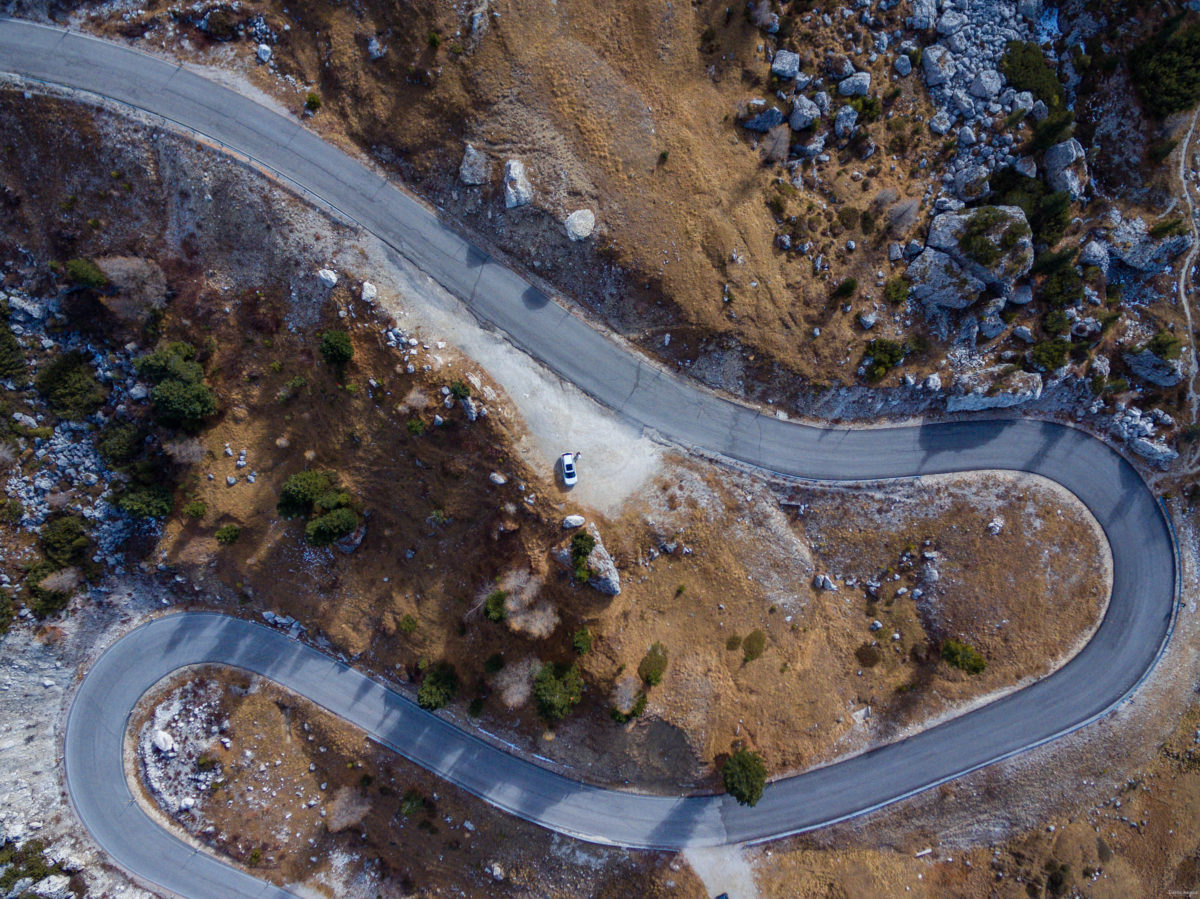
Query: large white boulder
column 580, row 223
column 517, row 189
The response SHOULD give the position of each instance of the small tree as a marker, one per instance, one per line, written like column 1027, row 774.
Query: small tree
column 313, row 101
column 228, row 533
column 150, row 501
column 557, row 690
column 653, row 665
column 336, row 348
column 183, row 404
column 963, row 656
column 745, row 776
column 439, row 687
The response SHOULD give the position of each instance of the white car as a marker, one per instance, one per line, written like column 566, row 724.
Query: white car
column 569, row 475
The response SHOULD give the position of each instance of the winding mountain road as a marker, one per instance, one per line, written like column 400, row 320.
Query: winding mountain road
column 1123, row 649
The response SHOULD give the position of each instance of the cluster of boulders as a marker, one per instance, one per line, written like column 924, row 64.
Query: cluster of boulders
column 475, row 170
column 1139, row 429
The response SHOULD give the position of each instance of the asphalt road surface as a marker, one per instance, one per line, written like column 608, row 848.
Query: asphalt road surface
column 1099, row 677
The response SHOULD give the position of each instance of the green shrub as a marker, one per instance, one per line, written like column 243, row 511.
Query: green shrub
column 65, row 540
column 170, row 361
column 439, row 687
column 582, row 545
column 46, row 601
column 312, row 102
column 733, row 643
column 1050, row 354
column 1063, row 288
column 870, row 108
column 1055, row 128
column 1166, row 68
column 1168, row 228
column 459, row 390
column 290, row 389
column 557, row 689
column 119, row 442
column 653, row 665
column 845, row 289
column 976, row 241
column 301, row 491
column 416, row 427
column 408, row 624
column 493, row 606
column 70, row 387
column 182, row 404
column 896, row 291
column 881, row 356
column 1026, row 68
column 435, row 40
column 753, row 645
column 336, row 348
column 964, row 656
column 195, row 509
column 85, row 273
column 331, row 526
column 581, row 641
column 1055, row 322
column 1165, row 345
column 228, row 533
column 147, row 501
column 745, row 776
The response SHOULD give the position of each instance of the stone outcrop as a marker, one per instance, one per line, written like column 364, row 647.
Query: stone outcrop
column 1130, row 243
column 1003, row 229
column 517, row 189
column 1149, row 367
column 580, row 223
column 939, row 281
column 475, row 168
column 994, row 388
column 1066, row 168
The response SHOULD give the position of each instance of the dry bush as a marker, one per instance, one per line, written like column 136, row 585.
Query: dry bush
column 415, row 401
column 348, row 809
column 64, row 581
column 515, row 682
column 625, row 693
column 187, row 451
column 8, row 457
column 523, row 612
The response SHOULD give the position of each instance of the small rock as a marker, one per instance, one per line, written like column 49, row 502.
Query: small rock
column 327, row 278
column 517, row 189
column 163, row 741
column 498, row 479
column 369, row 292
column 573, row 521
column 475, row 168
column 580, row 223
column 263, row 53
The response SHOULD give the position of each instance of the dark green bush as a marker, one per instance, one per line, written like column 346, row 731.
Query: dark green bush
column 86, row 273
column 881, row 356
column 845, row 289
column 581, row 641
column 1055, row 128
column 1050, row 354
column 408, row 624
column 1026, row 68
column 493, row 606
column 227, row 534
column 46, row 601
column 312, row 102
column 147, row 501
column 459, row 390
column 175, row 360
column 65, row 540
column 964, row 656
column 1063, row 288
column 183, row 404
column 557, row 689
column 745, row 776
column 753, row 645
column 1055, row 322
column 302, row 490
column 639, row 706
column 336, row 348
column 439, row 687
column 331, row 526
column 1165, row 345
column 582, row 545
column 195, row 509
column 733, row 643
column 119, row 442
column 70, row 387
column 653, row 665
column 1166, row 69
column 896, row 291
